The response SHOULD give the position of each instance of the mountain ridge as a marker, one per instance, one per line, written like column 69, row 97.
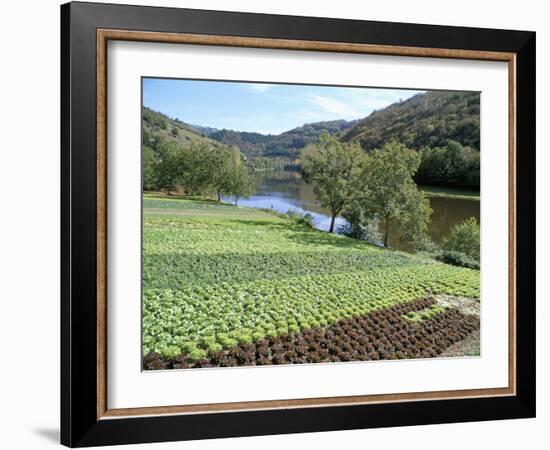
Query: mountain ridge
column 430, row 119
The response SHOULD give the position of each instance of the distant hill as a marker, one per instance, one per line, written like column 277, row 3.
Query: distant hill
column 203, row 130
column 443, row 126
column 158, row 124
column 287, row 144
column 430, row 119
column 251, row 144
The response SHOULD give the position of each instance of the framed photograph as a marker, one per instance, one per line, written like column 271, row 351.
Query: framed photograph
column 277, row 224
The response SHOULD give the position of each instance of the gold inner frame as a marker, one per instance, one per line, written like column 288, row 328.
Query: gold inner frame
column 104, row 35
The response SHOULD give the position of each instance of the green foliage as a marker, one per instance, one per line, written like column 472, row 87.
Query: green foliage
column 174, row 131
column 170, row 164
column 301, row 219
column 385, row 191
column 430, row 121
column 462, row 247
column 237, row 181
column 361, row 227
column 158, row 126
column 215, row 274
column 465, row 238
column 155, row 120
column 196, row 354
column 458, row 259
column 452, row 165
column 196, row 167
column 150, row 169
column 424, row 314
column 286, row 145
column 333, row 167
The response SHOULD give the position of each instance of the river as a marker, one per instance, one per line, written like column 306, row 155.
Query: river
column 286, row 190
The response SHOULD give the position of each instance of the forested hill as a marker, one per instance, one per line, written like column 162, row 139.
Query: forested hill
column 430, row 119
column 442, row 126
column 157, row 125
column 287, row 144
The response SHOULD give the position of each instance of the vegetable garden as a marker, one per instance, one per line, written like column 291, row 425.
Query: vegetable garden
column 226, row 286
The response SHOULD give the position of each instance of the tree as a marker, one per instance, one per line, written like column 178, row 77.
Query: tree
column 452, row 165
column 220, row 166
column 150, row 169
column 237, row 181
column 333, row 166
column 197, row 171
column 171, row 163
column 464, row 238
column 386, row 191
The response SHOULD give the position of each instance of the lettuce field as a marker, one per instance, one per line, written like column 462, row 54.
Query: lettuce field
column 226, row 286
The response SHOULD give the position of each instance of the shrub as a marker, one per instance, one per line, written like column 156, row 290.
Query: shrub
column 464, row 238
column 363, row 229
column 458, row 259
column 301, row 219
column 306, row 219
column 175, row 131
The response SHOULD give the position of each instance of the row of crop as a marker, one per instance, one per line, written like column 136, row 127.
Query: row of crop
column 201, row 319
column 253, row 231
column 177, row 270
column 382, row 335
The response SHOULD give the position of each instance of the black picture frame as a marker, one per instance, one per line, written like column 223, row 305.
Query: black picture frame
column 80, row 425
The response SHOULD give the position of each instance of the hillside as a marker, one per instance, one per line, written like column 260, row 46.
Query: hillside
column 157, row 124
column 251, row 144
column 287, row 144
column 430, row 119
column 442, row 126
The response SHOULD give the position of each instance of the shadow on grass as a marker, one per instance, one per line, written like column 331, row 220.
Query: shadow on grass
column 178, row 270
column 306, row 235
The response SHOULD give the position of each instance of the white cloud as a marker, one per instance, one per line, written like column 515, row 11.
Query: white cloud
column 334, row 106
column 260, row 88
column 357, row 103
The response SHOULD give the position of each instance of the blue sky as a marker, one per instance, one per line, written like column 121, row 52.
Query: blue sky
column 264, row 108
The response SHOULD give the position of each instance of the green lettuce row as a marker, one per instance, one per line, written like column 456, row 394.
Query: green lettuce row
column 203, row 318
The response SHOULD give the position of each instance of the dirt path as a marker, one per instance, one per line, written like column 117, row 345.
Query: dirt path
column 469, row 346
column 467, row 306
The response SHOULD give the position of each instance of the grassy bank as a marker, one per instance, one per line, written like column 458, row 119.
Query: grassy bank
column 215, row 276
column 436, row 191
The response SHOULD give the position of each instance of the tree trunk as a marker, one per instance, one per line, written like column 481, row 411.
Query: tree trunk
column 331, row 229
column 236, row 200
column 219, row 196
column 386, row 232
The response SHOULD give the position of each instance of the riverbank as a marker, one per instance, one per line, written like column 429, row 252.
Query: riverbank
column 283, row 191
column 450, row 193
column 216, row 277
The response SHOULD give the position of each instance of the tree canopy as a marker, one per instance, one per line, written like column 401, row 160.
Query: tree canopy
column 197, row 169
column 385, row 190
column 464, row 238
column 333, row 166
